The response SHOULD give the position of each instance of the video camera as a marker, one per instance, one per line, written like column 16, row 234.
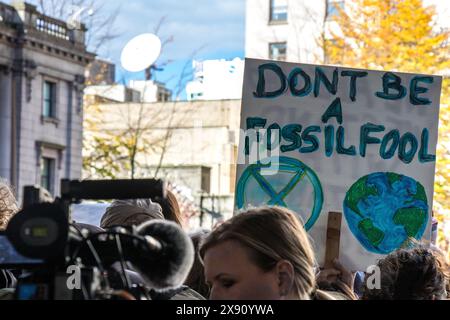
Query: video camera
column 64, row 261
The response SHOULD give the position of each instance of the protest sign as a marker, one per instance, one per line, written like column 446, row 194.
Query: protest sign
column 319, row 139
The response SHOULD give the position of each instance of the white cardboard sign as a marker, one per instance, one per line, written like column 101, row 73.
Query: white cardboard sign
column 324, row 138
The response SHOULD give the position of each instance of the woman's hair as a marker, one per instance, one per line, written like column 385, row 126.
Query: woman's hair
column 196, row 279
column 8, row 204
column 418, row 273
column 170, row 208
column 131, row 212
column 271, row 234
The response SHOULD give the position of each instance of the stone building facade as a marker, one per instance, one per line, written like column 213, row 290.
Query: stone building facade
column 42, row 64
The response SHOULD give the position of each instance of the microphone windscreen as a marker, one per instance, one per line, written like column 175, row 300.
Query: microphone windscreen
column 176, row 258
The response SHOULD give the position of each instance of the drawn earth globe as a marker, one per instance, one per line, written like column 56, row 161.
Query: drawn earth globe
column 384, row 210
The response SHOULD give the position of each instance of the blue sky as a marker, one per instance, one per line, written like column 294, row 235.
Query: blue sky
column 201, row 29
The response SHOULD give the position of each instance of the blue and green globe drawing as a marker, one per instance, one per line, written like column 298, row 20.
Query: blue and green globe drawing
column 384, row 210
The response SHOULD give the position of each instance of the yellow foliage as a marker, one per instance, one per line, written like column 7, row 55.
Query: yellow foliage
column 402, row 36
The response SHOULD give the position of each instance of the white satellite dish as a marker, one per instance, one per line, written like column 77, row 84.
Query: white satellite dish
column 141, row 52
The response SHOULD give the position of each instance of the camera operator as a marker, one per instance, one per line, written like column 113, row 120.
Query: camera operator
column 8, row 208
column 133, row 212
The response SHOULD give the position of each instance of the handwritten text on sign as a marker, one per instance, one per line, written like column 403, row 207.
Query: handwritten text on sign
column 304, row 139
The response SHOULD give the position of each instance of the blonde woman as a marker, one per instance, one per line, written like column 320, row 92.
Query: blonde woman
column 261, row 254
column 8, row 204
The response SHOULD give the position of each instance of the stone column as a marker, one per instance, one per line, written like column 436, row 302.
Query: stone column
column 5, row 123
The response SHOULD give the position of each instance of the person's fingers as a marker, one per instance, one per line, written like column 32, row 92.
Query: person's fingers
column 346, row 276
column 330, row 272
column 338, row 265
column 327, row 276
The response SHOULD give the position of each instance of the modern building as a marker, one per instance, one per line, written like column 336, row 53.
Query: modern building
column 113, row 93
column 216, row 80
column 151, row 91
column 285, row 30
column 137, row 91
column 42, row 64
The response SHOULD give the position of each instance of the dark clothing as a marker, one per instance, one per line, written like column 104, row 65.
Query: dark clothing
column 92, row 229
column 181, row 293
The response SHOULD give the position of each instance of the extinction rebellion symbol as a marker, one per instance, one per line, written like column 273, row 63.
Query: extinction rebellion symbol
column 277, row 165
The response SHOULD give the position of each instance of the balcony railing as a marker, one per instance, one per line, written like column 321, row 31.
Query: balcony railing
column 27, row 15
column 52, row 27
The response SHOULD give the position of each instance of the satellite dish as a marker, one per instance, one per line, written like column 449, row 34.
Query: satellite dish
column 141, row 52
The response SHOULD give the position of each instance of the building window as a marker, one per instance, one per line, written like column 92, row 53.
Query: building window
column 277, row 51
column 196, row 95
column 47, row 173
column 49, row 110
column 278, row 10
column 333, row 8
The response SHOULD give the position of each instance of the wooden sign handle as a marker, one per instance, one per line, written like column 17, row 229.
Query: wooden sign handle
column 333, row 238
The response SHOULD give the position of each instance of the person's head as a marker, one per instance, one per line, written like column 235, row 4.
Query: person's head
column 418, row 273
column 89, row 227
column 170, row 208
column 8, row 204
column 196, row 279
column 127, row 213
column 261, row 254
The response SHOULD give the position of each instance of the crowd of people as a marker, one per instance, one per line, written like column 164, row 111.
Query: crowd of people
column 265, row 254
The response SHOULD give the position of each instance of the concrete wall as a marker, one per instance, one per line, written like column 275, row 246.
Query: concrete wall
column 201, row 134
